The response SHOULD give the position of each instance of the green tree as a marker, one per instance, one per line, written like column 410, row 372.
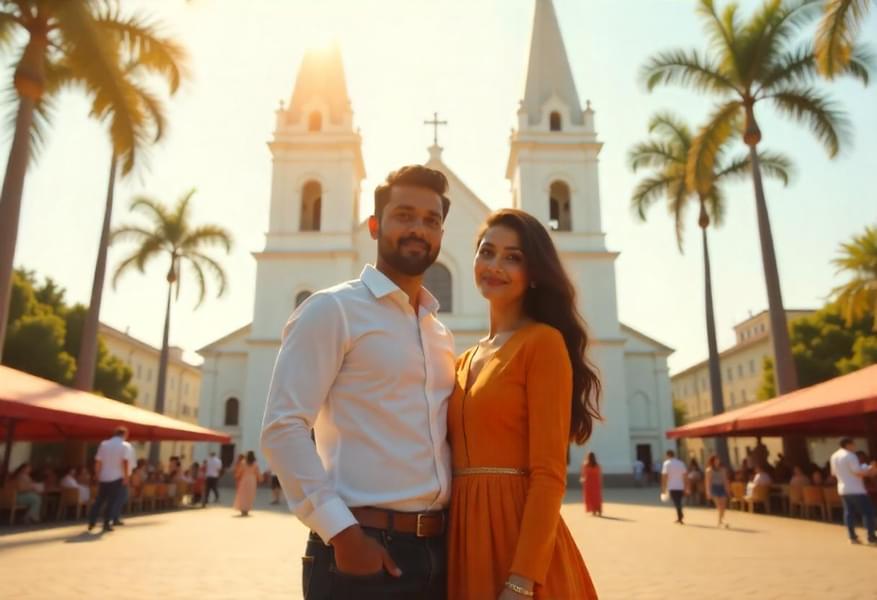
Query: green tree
column 44, row 333
column 858, row 297
column 668, row 153
column 59, row 43
column 768, row 387
column 173, row 236
column 750, row 62
column 825, row 346
column 680, row 412
column 836, row 34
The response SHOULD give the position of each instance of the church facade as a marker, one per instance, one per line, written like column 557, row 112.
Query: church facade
column 316, row 239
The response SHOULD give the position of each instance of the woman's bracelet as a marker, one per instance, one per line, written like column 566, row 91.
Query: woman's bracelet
column 519, row 590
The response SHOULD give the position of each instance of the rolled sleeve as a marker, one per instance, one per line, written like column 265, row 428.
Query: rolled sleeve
column 311, row 354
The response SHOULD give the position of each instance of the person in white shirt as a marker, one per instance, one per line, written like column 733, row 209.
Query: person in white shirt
column 122, row 498
column 111, row 467
column 369, row 367
column 639, row 468
column 214, row 470
column 851, row 488
column 69, row 482
column 673, row 473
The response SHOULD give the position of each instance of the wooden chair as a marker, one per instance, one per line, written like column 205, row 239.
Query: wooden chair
column 738, row 495
column 832, row 502
column 69, row 499
column 148, row 496
column 796, row 499
column 135, row 499
column 814, row 499
column 180, row 495
column 9, row 501
column 161, row 496
column 760, row 495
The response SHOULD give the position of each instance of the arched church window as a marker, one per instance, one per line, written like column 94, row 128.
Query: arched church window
column 301, row 297
column 232, row 408
column 311, row 205
column 560, row 212
column 554, row 121
column 438, row 281
column 315, row 121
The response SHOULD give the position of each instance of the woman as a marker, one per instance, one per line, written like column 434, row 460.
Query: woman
column 69, row 482
column 717, row 487
column 28, row 492
column 521, row 395
column 246, row 490
column 592, row 478
column 694, row 478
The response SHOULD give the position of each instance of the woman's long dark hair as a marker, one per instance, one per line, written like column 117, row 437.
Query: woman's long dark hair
column 251, row 457
column 551, row 299
column 592, row 460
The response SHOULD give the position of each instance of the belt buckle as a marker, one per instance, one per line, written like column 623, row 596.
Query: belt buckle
column 418, row 531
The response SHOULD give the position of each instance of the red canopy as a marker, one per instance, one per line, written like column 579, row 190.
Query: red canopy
column 43, row 410
column 845, row 405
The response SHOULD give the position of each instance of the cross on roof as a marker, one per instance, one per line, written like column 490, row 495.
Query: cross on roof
column 435, row 125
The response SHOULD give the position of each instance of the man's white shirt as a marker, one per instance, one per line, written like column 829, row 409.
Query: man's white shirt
column 111, row 453
column 675, row 471
column 214, row 466
column 843, row 465
column 372, row 378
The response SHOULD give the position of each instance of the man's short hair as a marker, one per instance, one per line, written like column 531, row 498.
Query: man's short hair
column 670, row 453
column 120, row 430
column 844, row 442
column 414, row 176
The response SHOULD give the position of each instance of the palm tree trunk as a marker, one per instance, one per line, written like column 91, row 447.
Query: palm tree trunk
column 715, row 370
column 10, row 205
column 154, row 449
column 794, row 447
column 87, row 359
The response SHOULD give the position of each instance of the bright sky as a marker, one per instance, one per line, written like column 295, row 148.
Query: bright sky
column 405, row 59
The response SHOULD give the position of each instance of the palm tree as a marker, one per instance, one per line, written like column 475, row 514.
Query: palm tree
column 751, row 62
column 668, row 154
column 858, row 297
column 172, row 235
column 148, row 56
column 836, row 34
column 60, row 43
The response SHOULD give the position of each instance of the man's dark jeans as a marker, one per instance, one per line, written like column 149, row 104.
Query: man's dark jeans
column 676, row 496
column 422, row 561
column 107, row 493
column 211, row 485
column 861, row 504
column 119, row 503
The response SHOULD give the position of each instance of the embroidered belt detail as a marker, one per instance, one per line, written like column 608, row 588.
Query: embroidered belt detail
column 488, row 471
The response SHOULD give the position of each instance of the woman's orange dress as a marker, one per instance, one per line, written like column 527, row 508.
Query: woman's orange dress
column 509, row 434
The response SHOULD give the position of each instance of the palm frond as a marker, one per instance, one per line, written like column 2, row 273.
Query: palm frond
column 207, row 235
column 130, row 233
column 671, row 126
column 214, row 267
column 716, row 204
column 654, row 154
column 708, row 145
column 200, row 279
column 772, row 164
column 153, row 209
column 722, row 31
column 691, row 68
column 677, row 207
column 9, row 24
column 806, row 104
column 774, row 24
column 790, row 67
column 837, row 32
column 648, row 191
column 860, row 65
column 142, row 41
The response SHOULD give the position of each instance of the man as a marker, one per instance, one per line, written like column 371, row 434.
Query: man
column 213, row 471
column 851, row 487
column 369, row 367
column 111, row 468
column 122, row 498
column 673, row 474
column 639, row 468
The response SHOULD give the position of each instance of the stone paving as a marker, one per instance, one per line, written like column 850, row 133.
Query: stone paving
column 634, row 551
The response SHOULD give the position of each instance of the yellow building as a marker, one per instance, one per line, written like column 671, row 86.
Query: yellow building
column 181, row 394
column 741, row 368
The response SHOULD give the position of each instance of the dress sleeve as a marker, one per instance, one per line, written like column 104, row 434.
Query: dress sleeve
column 548, row 393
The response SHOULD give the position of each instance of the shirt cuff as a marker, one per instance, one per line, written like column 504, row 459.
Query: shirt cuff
column 330, row 518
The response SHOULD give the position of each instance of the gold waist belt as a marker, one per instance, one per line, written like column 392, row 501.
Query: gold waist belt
column 488, row 471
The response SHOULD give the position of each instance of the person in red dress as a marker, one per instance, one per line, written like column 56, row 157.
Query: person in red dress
column 592, row 485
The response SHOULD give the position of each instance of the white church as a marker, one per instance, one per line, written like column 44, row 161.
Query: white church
column 315, row 239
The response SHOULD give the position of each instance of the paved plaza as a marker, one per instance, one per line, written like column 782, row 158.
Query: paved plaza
column 635, row 551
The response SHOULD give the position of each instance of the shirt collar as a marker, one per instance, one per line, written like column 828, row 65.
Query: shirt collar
column 380, row 285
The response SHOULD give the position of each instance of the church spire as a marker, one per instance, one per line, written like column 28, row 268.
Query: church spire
column 321, row 86
column 548, row 72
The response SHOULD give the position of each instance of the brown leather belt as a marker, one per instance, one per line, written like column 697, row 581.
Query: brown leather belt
column 425, row 524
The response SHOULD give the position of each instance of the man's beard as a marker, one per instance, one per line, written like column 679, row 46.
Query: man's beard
column 409, row 265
